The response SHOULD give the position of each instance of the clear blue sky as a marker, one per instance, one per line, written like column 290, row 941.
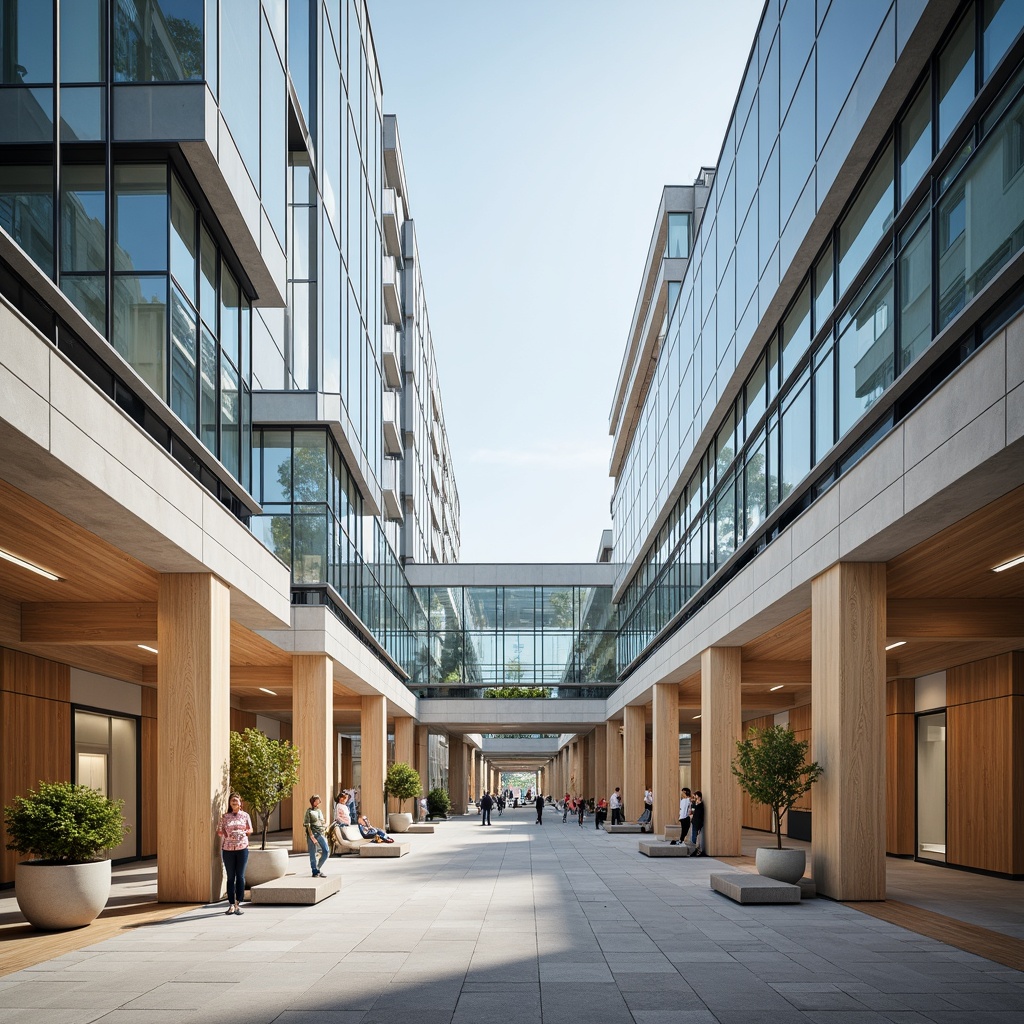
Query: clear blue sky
column 537, row 137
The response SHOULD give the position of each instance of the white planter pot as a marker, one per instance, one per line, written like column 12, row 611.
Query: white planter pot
column 265, row 865
column 782, row 865
column 399, row 822
column 57, row 896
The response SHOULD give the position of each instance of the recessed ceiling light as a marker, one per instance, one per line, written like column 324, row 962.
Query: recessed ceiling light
column 28, row 565
column 772, row 689
column 892, row 647
column 695, row 717
column 263, row 689
column 152, row 650
column 1008, row 565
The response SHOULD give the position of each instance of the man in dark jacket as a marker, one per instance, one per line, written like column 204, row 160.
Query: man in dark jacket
column 539, row 803
column 486, row 803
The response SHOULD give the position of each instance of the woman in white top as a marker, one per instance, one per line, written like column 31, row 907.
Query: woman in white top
column 684, row 814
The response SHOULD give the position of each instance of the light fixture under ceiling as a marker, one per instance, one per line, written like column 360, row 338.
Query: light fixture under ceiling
column 772, row 689
column 152, row 650
column 893, row 646
column 1019, row 560
column 695, row 717
column 28, row 565
column 263, row 689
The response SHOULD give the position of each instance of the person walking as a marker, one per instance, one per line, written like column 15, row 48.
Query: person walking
column 615, row 804
column 486, row 803
column 539, row 804
column 315, row 827
column 565, row 808
column 697, row 818
column 581, row 809
column 685, row 803
column 234, row 829
column 600, row 812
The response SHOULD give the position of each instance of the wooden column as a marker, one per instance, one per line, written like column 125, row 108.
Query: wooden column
column 373, row 732
column 634, row 745
column 574, row 766
column 457, row 774
column 665, row 755
column 848, row 631
column 405, row 741
column 721, row 726
column 589, row 772
column 613, row 748
column 193, row 716
column 600, row 762
column 900, row 771
column 312, row 731
column 422, row 765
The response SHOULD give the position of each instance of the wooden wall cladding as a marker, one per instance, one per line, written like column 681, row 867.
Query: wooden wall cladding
column 150, row 767
column 756, row 815
column 286, row 805
column 900, row 769
column 242, row 720
column 985, row 765
column 36, row 677
column 694, row 762
column 800, row 723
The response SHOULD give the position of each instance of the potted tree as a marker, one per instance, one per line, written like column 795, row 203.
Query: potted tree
column 403, row 783
column 771, row 766
column 65, row 827
column 438, row 804
column 263, row 772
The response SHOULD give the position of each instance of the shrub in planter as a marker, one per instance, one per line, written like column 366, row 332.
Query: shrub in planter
column 438, row 803
column 263, row 772
column 403, row 783
column 65, row 826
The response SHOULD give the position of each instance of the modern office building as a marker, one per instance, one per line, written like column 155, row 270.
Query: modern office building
column 227, row 496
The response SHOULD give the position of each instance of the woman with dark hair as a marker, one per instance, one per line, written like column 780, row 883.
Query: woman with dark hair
column 581, row 809
column 234, row 829
column 315, row 827
column 697, row 812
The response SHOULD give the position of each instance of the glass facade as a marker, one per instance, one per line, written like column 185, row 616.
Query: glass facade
column 936, row 215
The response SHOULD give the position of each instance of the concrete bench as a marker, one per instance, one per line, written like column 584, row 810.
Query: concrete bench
column 295, row 889
column 743, row 887
column 657, row 848
column 419, row 829
column 622, row 829
column 672, row 832
column 384, row 849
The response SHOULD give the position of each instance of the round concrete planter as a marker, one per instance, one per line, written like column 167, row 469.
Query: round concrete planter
column 58, row 896
column 782, row 865
column 399, row 822
column 265, row 865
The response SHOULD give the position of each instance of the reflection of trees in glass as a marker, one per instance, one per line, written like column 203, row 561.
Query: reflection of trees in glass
column 517, row 692
column 301, row 539
column 188, row 43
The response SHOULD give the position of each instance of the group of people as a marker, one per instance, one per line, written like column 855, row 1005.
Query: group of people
column 691, row 819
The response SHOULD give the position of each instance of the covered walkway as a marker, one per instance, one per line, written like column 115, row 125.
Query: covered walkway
column 528, row 923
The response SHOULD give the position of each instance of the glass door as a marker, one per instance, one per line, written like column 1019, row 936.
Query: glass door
column 931, row 787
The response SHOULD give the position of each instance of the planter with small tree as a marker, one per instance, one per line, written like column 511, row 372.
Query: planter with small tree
column 771, row 766
column 438, row 804
column 263, row 772
column 65, row 826
column 403, row 783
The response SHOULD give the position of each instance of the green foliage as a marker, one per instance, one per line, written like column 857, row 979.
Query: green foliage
column 263, row 773
column 520, row 780
column 771, row 765
column 517, row 692
column 402, row 782
column 438, row 803
column 63, row 822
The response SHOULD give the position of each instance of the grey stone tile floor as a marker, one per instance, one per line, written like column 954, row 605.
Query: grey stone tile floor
column 519, row 924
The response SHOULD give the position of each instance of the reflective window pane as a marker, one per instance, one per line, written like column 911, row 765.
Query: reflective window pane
column 274, row 132
column 184, row 357
column 158, row 40
column 183, row 240
column 869, row 217
column 140, row 327
column 796, row 435
column 207, row 277
column 1001, row 23
column 678, row 246
column 83, row 218
column 140, row 217
column 866, row 354
column 231, row 298
column 824, row 288
column 915, row 141
column 240, row 78
column 824, row 407
column 26, row 210
column 83, row 114
column 229, row 418
column 208, row 390
column 26, row 42
column 26, row 115
column 916, row 296
column 796, row 331
column 83, row 38
column 956, row 76
column 89, row 294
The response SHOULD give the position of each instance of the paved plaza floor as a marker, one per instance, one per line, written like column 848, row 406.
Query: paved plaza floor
column 518, row 923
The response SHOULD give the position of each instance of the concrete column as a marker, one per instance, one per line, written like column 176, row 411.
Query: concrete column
column 613, row 748
column 422, row 765
column 721, row 726
column 457, row 774
column 312, row 733
column 193, row 723
column 373, row 730
column 600, row 762
column 405, row 747
column 634, row 747
column 848, row 632
column 665, row 755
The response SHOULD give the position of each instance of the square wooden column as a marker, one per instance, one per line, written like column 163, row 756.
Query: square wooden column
column 373, row 732
column 313, row 734
column 422, row 763
column 634, row 760
column 665, row 755
column 193, row 723
column 848, row 633
column 600, row 736
column 457, row 774
column 588, row 771
column 405, row 739
column 613, row 751
column 721, row 726
column 900, row 767
column 574, row 766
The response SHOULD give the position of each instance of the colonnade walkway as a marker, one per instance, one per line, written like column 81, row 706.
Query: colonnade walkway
column 519, row 923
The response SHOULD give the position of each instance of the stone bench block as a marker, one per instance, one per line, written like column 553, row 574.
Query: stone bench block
column 744, row 887
column 295, row 889
column 622, row 829
column 671, row 832
column 384, row 849
column 655, row 848
column 420, row 830
column 808, row 890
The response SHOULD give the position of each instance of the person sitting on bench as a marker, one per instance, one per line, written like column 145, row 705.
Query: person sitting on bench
column 367, row 831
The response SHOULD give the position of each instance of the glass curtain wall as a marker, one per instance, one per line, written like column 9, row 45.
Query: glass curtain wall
column 862, row 316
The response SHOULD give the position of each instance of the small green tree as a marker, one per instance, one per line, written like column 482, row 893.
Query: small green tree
column 263, row 773
column 65, row 823
column 771, row 766
column 402, row 782
column 438, row 803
